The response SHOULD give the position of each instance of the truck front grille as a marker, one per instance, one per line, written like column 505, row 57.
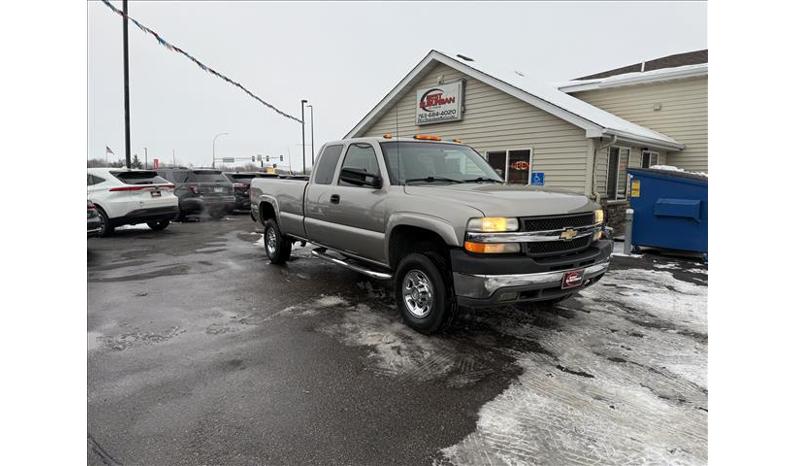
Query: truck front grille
column 549, row 248
column 557, row 222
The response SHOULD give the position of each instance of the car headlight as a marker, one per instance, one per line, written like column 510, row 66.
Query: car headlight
column 599, row 217
column 493, row 224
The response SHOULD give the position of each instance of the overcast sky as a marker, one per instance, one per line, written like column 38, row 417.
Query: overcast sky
column 342, row 57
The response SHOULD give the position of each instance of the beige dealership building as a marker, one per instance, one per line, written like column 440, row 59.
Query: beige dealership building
column 579, row 136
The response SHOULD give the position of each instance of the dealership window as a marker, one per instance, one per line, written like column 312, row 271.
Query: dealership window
column 618, row 158
column 513, row 165
column 649, row 159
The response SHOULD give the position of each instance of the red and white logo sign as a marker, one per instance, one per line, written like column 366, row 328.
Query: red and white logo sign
column 155, row 163
column 439, row 103
column 572, row 279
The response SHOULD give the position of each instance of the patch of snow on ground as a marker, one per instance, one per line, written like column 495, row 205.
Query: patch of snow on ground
column 626, row 382
column 138, row 226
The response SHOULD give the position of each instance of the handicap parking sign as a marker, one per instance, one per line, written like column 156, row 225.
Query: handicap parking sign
column 537, row 178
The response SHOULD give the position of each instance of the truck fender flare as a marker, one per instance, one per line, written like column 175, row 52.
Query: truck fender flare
column 428, row 222
column 271, row 200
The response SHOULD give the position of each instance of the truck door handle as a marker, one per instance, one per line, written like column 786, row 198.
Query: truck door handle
column 335, row 199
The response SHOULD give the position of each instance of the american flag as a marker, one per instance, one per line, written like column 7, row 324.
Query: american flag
column 108, row 151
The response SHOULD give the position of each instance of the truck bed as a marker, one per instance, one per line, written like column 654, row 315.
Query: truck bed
column 289, row 195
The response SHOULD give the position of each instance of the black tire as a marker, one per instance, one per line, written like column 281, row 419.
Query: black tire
column 106, row 229
column 217, row 214
column 279, row 246
column 157, row 226
column 419, row 275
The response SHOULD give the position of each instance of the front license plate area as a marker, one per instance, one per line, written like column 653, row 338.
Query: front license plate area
column 572, row 279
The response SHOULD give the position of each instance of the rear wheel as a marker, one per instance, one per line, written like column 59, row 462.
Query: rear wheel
column 157, row 226
column 106, row 229
column 277, row 246
column 423, row 292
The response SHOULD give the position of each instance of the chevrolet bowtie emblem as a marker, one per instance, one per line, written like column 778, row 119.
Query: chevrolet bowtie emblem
column 568, row 234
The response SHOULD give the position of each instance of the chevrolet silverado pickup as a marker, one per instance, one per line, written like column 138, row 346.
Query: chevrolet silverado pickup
column 433, row 216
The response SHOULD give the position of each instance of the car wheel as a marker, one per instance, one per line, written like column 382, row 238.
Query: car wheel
column 277, row 246
column 106, row 229
column 217, row 214
column 423, row 292
column 157, row 226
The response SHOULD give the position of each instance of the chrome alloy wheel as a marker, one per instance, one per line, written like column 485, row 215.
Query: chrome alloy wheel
column 418, row 293
column 270, row 241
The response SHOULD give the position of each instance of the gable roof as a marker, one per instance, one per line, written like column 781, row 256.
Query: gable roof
column 670, row 61
column 595, row 121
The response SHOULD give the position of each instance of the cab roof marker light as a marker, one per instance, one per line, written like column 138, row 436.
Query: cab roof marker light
column 427, row 137
column 387, row 135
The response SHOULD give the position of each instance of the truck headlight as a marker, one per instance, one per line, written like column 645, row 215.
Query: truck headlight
column 599, row 217
column 493, row 224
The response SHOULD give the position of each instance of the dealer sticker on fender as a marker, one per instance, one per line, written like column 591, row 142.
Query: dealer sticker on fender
column 442, row 102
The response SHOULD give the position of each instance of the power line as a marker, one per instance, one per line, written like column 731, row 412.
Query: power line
column 201, row 65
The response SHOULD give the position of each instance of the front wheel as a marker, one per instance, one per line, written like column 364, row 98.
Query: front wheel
column 423, row 294
column 106, row 229
column 277, row 246
column 157, row 226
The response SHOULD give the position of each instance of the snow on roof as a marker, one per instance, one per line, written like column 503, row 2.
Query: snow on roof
column 595, row 121
column 636, row 77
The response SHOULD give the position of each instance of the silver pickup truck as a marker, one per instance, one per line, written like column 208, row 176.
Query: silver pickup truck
column 436, row 218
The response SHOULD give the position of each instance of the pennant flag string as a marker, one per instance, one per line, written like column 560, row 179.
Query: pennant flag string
column 201, row 65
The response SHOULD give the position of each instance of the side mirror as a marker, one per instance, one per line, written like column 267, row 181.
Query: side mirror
column 359, row 177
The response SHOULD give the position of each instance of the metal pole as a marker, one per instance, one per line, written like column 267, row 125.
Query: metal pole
column 312, row 136
column 146, row 159
column 126, row 86
column 303, row 143
column 213, row 164
column 173, row 159
column 628, row 232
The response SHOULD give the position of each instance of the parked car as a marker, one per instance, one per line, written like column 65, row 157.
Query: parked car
column 436, row 217
column 93, row 221
column 240, row 184
column 201, row 190
column 129, row 197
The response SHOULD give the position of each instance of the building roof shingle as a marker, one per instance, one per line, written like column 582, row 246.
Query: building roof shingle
column 669, row 61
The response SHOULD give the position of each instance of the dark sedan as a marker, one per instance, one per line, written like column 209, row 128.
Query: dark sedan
column 240, row 182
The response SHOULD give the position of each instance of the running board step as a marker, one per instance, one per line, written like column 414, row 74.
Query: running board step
column 321, row 253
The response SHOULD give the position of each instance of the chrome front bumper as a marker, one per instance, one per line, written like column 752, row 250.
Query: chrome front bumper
column 495, row 289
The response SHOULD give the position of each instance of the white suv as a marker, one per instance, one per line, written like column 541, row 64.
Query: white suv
column 128, row 197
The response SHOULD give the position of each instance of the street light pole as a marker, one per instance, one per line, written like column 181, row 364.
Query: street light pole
column 126, row 86
column 213, row 164
column 303, row 143
column 312, row 136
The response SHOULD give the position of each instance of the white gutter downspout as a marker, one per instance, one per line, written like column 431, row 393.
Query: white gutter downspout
column 594, row 194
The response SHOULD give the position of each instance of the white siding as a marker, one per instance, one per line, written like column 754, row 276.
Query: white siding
column 494, row 121
column 683, row 114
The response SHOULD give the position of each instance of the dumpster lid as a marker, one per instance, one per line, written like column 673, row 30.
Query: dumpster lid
column 669, row 173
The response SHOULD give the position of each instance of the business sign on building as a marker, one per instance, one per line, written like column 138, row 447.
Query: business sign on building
column 438, row 104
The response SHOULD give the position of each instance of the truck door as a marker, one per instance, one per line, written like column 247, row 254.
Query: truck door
column 353, row 216
column 316, row 200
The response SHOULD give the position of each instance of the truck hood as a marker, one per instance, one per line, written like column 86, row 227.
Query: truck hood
column 501, row 200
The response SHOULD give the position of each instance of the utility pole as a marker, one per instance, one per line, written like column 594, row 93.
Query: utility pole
column 146, row 159
column 126, row 87
column 312, row 136
column 303, row 143
column 173, row 159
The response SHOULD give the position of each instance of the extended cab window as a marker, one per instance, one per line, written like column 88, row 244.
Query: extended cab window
column 360, row 156
column 324, row 172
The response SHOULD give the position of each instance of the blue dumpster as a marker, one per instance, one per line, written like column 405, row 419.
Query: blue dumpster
column 670, row 210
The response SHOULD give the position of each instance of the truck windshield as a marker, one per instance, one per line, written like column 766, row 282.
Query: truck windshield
column 433, row 162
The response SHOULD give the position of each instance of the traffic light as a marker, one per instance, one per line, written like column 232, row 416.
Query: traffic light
column 252, row 158
column 274, row 165
column 267, row 158
column 281, row 158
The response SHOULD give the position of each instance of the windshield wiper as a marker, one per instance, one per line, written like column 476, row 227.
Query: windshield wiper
column 481, row 179
column 431, row 179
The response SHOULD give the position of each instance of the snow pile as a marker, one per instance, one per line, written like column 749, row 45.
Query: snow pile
column 672, row 168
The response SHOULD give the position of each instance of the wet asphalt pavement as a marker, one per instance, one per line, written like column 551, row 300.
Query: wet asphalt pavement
column 201, row 352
